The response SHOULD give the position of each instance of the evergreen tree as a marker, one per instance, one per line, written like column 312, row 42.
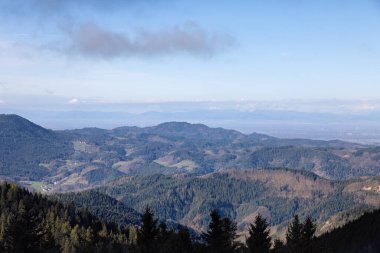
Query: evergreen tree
column 300, row 235
column 163, row 233
column 8, row 237
column 75, row 239
column 259, row 240
column 221, row 234
column 20, row 234
column 294, row 236
column 213, row 237
column 147, row 234
column 31, row 223
column 278, row 246
column 184, row 241
column 173, row 241
column 308, row 231
column 132, row 236
column 164, row 241
column 45, row 234
column 229, row 234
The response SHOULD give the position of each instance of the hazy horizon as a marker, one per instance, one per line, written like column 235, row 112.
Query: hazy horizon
column 304, row 72
column 283, row 124
column 286, row 68
column 163, row 51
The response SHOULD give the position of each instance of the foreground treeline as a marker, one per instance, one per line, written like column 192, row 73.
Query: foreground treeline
column 29, row 222
column 221, row 237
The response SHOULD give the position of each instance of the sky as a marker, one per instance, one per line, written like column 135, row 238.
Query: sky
column 75, row 53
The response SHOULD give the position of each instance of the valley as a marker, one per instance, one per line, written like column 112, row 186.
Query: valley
column 182, row 171
column 78, row 159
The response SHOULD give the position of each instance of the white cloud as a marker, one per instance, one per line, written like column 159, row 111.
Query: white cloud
column 74, row 101
column 363, row 107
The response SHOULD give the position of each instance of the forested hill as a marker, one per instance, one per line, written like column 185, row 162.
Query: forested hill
column 89, row 157
column 29, row 222
column 32, row 223
column 361, row 235
column 277, row 194
column 25, row 146
column 102, row 206
column 111, row 210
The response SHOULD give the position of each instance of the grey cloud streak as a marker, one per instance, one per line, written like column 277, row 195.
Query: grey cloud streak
column 92, row 40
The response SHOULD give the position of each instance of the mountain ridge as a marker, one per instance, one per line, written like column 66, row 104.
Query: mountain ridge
column 277, row 194
column 81, row 156
column 194, row 166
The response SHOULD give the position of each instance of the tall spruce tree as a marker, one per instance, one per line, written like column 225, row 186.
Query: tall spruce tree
column 259, row 240
column 175, row 242
column 229, row 234
column 294, row 236
column 220, row 235
column 278, row 246
column 184, row 241
column 213, row 236
column 308, row 232
column 148, row 233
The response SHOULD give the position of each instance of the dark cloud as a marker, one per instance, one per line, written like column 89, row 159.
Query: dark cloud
column 92, row 40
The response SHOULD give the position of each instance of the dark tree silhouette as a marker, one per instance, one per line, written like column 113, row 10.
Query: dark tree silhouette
column 278, row 246
column 308, row 231
column 213, row 236
column 221, row 234
column 229, row 234
column 294, row 235
column 30, row 222
column 148, row 233
column 300, row 236
column 259, row 240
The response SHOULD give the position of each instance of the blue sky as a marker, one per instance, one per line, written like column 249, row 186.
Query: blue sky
column 159, row 51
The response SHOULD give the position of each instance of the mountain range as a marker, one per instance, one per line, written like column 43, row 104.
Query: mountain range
column 169, row 148
column 184, row 170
